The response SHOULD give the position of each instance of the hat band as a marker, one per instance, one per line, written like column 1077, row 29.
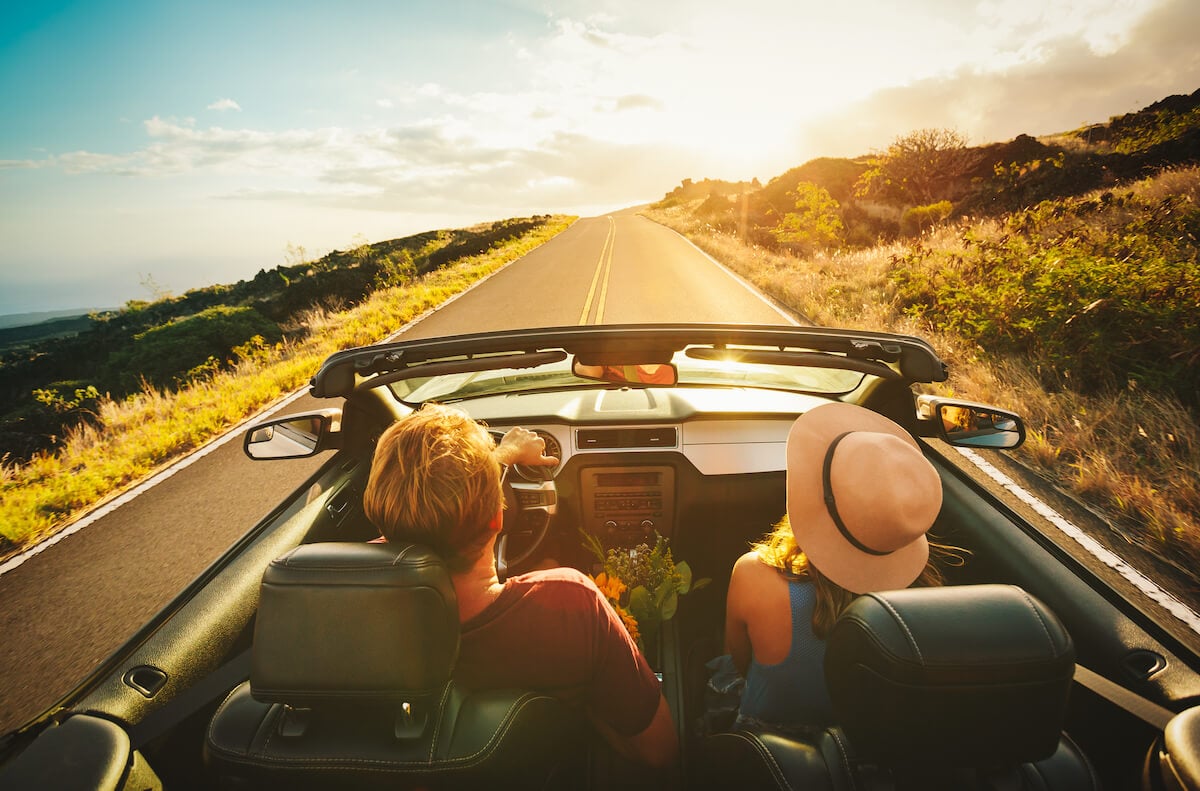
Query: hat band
column 831, row 504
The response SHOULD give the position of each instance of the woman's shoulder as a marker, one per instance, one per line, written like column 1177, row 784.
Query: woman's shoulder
column 752, row 566
column 753, row 581
column 749, row 559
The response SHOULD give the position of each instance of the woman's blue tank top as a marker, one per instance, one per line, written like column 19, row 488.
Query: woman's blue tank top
column 792, row 692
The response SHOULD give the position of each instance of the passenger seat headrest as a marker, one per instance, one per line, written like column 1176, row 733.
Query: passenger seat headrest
column 967, row 676
column 351, row 621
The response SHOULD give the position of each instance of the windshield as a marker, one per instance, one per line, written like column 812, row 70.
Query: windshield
column 692, row 372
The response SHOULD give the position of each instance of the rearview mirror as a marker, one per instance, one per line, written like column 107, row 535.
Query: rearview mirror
column 294, row 436
column 644, row 373
column 970, row 425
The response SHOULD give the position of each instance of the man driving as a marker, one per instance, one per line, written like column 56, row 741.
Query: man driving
column 435, row 480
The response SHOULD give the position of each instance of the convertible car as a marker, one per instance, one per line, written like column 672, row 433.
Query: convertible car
column 311, row 655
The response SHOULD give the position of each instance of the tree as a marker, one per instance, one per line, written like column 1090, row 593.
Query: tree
column 919, row 168
column 814, row 224
column 295, row 254
column 151, row 285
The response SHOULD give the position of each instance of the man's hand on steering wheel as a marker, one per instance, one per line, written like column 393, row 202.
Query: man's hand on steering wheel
column 522, row 446
column 528, row 513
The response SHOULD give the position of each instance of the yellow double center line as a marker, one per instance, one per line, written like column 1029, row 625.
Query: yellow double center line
column 603, row 267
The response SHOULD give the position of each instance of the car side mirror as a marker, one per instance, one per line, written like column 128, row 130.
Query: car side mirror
column 294, row 436
column 969, row 425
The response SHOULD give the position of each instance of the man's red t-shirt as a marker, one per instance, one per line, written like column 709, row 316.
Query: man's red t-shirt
column 553, row 631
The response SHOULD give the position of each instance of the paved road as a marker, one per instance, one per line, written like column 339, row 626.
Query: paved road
column 65, row 610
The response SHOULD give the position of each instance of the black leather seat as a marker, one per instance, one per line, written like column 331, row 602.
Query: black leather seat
column 1173, row 761
column 350, row 686
column 933, row 688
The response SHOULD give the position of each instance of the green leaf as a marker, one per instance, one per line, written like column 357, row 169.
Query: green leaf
column 700, row 583
column 660, row 593
column 668, row 607
column 593, row 544
column 685, row 576
column 643, row 607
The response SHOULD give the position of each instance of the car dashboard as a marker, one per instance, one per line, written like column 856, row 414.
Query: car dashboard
column 629, row 459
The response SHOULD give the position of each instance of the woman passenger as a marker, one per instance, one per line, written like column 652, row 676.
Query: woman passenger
column 860, row 499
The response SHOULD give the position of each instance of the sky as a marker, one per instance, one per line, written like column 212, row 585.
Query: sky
column 154, row 147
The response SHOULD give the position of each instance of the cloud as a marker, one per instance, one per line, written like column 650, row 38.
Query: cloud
column 225, row 104
column 433, row 165
column 1073, row 81
column 76, row 162
column 425, row 170
column 563, row 138
column 22, row 164
column 637, row 101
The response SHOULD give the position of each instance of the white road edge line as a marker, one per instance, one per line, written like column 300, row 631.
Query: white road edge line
column 748, row 286
column 221, row 439
column 1094, row 548
column 146, row 485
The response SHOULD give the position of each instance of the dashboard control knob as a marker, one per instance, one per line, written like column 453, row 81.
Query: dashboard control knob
column 610, row 525
column 647, row 524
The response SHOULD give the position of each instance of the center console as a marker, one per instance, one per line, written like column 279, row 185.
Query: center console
column 624, row 506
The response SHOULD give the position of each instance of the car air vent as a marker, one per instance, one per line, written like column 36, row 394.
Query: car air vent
column 601, row 438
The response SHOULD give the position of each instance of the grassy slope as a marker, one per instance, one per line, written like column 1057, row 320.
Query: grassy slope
column 148, row 430
column 1132, row 452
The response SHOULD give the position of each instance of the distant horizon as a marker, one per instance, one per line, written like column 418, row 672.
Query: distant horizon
column 150, row 288
column 32, row 318
column 169, row 146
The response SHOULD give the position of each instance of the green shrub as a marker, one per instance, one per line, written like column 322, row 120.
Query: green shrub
column 1101, row 291
column 1149, row 129
column 192, row 346
column 921, row 218
column 814, row 224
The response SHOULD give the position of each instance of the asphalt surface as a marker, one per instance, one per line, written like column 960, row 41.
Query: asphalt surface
column 65, row 610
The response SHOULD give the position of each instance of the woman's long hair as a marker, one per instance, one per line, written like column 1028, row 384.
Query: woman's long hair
column 779, row 550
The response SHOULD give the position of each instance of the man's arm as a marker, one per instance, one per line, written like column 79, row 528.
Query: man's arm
column 657, row 746
column 623, row 689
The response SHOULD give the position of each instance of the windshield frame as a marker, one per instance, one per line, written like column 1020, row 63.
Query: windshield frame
column 558, row 376
column 884, row 355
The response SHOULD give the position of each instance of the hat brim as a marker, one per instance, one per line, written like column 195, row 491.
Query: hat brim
column 813, row 527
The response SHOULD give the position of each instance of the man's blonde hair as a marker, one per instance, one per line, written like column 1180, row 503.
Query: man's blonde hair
column 435, row 481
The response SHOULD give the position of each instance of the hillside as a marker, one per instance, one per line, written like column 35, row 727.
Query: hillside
column 1060, row 277
column 931, row 175
column 1099, row 287
column 115, row 442
column 53, row 375
column 20, row 335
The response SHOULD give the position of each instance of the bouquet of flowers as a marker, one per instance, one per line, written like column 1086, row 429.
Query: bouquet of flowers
column 643, row 584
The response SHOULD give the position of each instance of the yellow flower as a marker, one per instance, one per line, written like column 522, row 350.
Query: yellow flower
column 611, row 587
column 631, row 624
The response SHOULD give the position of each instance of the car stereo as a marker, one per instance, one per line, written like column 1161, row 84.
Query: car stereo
column 624, row 506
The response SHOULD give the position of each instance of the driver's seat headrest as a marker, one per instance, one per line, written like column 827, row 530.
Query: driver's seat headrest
column 962, row 676
column 353, row 622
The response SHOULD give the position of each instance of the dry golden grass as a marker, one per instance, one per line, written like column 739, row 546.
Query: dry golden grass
column 1135, row 456
column 139, row 435
column 1070, row 143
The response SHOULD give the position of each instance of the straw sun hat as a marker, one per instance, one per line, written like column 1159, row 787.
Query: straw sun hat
column 860, row 497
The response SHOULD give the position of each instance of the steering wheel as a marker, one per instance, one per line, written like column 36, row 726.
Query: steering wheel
column 528, row 508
